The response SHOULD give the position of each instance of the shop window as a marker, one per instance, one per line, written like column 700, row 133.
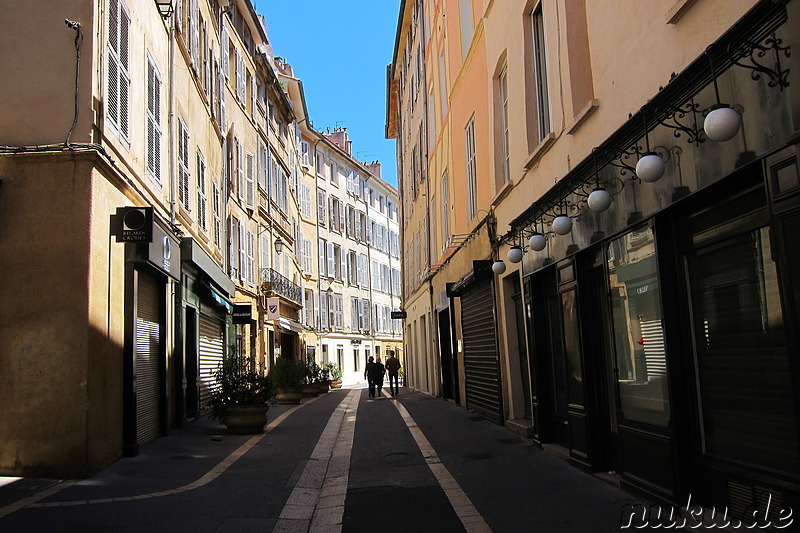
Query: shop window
column 742, row 358
column 638, row 328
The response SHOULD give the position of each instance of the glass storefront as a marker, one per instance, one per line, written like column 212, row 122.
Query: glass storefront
column 638, row 332
column 741, row 354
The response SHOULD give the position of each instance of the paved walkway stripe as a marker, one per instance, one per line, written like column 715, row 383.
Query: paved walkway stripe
column 207, row 478
column 316, row 504
column 470, row 517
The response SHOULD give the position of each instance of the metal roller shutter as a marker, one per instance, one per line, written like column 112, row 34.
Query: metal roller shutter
column 210, row 350
column 481, row 363
column 148, row 349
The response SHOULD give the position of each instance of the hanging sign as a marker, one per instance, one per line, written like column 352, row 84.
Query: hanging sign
column 242, row 313
column 273, row 309
column 133, row 224
column 398, row 315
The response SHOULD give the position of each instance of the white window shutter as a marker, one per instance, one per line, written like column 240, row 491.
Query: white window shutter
column 242, row 257
column 250, row 181
column 240, row 168
column 331, row 263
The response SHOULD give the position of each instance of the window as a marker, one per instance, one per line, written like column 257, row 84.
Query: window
column 250, row 262
column 241, row 78
column 322, row 262
column 540, row 71
column 442, row 86
column 321, row 208
column 638, row 331
column 217, row 220
column 465, row 14
column 233, row 250
column 742, row 359
column 153, row 122
column 331, row 260
column 118, row 76
column 445, row 211
column 183, row 164
column 305, row 200
column 502, row 133
column 250, row 180
column 201, row 191
column 472, row 193
column 307, row 257
column 240, row 168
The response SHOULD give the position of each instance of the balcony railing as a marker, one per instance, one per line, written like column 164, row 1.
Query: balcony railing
column 274, row 283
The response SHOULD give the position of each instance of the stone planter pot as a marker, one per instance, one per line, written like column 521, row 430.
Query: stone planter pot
column 245, row 419
column 310, row 391
column 336, row 384
column 324, row 387
column 288, row 396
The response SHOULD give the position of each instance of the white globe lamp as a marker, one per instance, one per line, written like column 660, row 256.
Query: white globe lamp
column 538, row 242
column 498, row 267
column 515, row 254
column 722, row 123
column 562, row 225
column 650, row 167
column 599, row 200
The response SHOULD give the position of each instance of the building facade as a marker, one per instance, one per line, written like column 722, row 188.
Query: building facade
column 629, row 216
column 153, row 199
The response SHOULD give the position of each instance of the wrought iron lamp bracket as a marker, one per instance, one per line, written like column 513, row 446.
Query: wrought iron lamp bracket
column 621, row 160
column 756, row 54
column 683, row 119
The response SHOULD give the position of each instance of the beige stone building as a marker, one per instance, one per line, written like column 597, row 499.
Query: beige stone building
column 620, row 182
column 149, row 170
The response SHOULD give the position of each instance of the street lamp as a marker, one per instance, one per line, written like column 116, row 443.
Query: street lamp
column 278, row 246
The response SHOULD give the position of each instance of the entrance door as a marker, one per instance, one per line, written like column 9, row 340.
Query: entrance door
column 148, row 358
column 522, row 348
column 211, row 348
column 481, row 360
column 446, row 352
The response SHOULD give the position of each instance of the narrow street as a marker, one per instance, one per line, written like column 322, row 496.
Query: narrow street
column 339, row 462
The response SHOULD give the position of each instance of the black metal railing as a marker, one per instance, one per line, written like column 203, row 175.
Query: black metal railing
column 276, row 284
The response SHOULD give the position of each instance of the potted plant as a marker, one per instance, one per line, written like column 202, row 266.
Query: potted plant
column 324, row 379
column 241, row 395
column 287, row 376
column 335, row 375
column 311, row 378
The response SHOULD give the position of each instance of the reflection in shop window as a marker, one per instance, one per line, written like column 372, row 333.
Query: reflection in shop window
column 638, row 327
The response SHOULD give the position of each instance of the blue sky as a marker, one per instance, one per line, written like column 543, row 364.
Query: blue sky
column 340, row 51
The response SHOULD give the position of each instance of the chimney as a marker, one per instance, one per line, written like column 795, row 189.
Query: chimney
column 374, row 168
column 340, row 138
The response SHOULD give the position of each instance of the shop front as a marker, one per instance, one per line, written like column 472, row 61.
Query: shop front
column 152, row 272
column 206, row 315
column 660, row 331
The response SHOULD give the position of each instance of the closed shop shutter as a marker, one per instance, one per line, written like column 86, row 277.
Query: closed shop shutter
column 148, row 350
column 481, row 364
column 210, row 350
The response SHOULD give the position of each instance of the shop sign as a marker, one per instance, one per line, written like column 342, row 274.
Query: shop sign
column 133, row 224
column 273, row 309
column 396, row 315
column 242, row 313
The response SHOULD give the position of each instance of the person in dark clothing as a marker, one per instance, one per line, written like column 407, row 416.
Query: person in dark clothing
column 379, row 376
column 374, row 372
column 393, row 367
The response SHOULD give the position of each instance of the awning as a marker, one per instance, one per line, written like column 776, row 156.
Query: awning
column 220, row 298
column 291, row 325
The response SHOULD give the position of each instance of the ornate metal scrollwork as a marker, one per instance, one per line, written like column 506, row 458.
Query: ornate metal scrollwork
column 756, row 54
column 684, row 120
column 625, row 160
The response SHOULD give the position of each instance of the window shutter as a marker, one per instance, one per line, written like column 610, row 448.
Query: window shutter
column 250, row 261
column 322, row 261
column 331, row 263
column 242, row 257
column 250, row 182
column 223, row 94
column 233, row 250
column 201, row 191
column 240, row 168
column 324, row 310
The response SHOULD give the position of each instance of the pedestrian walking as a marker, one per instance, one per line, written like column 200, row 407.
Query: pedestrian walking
column 393, row 369
column 372, row 372
column 381, row 372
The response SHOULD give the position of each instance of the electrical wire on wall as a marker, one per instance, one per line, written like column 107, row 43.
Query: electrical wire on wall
column 78, row 42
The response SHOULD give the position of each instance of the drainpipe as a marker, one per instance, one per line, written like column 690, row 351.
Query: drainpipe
column 369, row 275
column 173, row 203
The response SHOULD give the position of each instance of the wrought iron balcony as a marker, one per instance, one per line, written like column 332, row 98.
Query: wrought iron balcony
column 275, row 284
